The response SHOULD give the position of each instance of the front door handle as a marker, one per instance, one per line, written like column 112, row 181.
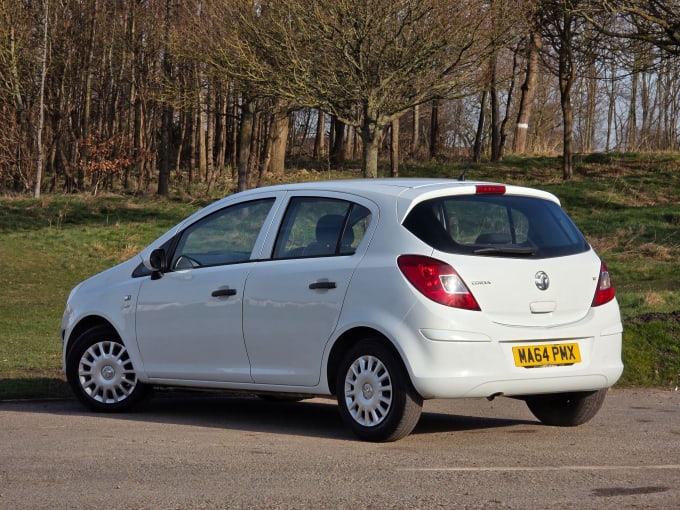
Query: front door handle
column 223, row 292
column 322, row 285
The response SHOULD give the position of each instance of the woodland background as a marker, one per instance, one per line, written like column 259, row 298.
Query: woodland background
column 142, row 95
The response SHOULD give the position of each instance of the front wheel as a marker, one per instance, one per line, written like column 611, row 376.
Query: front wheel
column 566, row 409
column 375, row 397
column 100, row 371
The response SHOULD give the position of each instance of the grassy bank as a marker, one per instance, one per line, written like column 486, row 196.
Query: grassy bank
column 627, row 205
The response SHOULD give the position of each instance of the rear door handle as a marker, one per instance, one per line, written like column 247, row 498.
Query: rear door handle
column 223, row 292
column 322, row 285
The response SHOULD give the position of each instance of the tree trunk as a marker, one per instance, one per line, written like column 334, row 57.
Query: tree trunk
column 180, row 145
column 527, row 97
column 338, row 152
column 41, row 103
column 265, row 162
column 320, row 138
column 165, row 145
column 255, row 139
column 166, row 112
column 371, row 134
column 278, row 135
column 415, row 135
column 671, row 107
column 495, row 112
column 351, row 143
column 644, row 110
column 244, row 139
column 435, row 134
column 568, row 150
column 209, row 134
column 566, row 79
column 477, row 148
column 394, row 149
column 508, row 105
column 191, row 137
column 591, row 108
column 220, row 128
column 234, row 129
column 85, row 131
column 632, row 114
column 612, row 97
column 201, row 126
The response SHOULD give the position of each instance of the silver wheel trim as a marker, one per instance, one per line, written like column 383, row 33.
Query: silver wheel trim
column 368, row 391
column 105, row 372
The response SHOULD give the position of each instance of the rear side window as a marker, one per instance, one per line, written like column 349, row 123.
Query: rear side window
column 496, row 225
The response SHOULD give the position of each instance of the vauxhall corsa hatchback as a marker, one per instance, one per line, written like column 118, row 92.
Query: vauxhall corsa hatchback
column 381, row 293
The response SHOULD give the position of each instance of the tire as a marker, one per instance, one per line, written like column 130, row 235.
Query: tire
column 375, row 396
column 100, row 372
column 566, row 409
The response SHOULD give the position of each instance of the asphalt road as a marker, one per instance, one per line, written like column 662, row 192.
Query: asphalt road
column 214, row 451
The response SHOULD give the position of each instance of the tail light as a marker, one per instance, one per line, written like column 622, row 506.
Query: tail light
column 437, row 281
column 605, row 290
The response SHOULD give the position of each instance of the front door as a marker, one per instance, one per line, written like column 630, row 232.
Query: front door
column 189, row 325
column 189, row 322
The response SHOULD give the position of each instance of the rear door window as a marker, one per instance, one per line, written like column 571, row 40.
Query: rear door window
column 321, row 227
column 496, row 225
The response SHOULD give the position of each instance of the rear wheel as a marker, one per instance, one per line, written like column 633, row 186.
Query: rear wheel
column 100, row 371
column 375, row 396
column 566, row 409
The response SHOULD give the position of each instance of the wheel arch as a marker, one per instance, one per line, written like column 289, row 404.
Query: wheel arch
column 350, row 338
column 85, row 324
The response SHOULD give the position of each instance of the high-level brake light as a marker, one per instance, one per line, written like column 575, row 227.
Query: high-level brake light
column 490, row 189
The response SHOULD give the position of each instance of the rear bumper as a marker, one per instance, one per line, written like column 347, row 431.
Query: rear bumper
column 454, row 369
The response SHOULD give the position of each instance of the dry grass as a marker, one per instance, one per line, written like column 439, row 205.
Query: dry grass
column 654, row 299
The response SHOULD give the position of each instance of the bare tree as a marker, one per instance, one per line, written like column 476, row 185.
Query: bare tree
column 528, row 91
column 568, row 47
column 366, row 62
column 653, row 21
column 167, row 114
column 41, row 101
column 18, row 61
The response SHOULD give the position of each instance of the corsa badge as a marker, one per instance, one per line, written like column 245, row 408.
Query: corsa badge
column 542, row 281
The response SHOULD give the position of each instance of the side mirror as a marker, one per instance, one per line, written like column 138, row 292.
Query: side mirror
column 158, row 263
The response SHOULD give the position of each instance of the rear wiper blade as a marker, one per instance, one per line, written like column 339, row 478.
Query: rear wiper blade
column 506, row 250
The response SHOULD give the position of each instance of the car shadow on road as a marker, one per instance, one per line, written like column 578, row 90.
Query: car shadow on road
column 317, row 417
column 432, row 423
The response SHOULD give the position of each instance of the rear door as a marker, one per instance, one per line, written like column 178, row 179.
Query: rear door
column 292, row 303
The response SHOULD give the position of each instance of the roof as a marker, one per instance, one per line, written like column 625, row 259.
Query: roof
column 407, row 188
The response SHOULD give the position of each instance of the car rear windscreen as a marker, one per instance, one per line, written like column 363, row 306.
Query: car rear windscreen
column 496, row 225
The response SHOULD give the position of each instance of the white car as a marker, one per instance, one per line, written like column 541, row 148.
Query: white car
column 380, row 292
